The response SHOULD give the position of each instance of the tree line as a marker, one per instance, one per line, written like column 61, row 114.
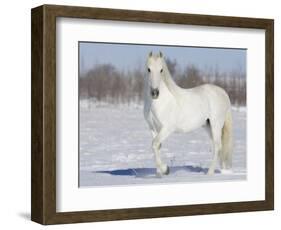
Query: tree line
column 106, row 83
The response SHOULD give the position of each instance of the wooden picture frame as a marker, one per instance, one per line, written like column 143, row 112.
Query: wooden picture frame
column 43, row 160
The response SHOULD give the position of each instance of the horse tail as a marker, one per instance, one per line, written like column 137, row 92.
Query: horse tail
column 226, row 151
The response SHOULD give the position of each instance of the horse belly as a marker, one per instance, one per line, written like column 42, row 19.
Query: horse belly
column 192, row 118
column 187, row 126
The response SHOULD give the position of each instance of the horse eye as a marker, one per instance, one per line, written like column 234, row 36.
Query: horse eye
column 148, row 69
column 161, row 70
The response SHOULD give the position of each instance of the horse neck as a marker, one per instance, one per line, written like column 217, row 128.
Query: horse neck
column 171, row 85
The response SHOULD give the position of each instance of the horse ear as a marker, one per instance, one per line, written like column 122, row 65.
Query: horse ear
column 160, row 54
column 150, row 54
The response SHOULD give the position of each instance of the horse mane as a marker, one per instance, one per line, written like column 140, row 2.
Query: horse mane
column 168, row 80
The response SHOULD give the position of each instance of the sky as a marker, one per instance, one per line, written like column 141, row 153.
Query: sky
column 132, row 56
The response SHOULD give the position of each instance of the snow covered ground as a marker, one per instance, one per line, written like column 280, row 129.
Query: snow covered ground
column 115, row 149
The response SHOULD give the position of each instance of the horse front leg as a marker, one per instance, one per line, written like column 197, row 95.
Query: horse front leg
column 156, row 145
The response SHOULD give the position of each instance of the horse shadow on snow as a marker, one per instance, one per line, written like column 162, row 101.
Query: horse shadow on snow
column 151, row 172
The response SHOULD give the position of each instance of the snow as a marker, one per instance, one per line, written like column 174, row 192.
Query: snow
column 115, row 149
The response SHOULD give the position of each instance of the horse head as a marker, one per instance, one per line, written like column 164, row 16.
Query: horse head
column 155, row 71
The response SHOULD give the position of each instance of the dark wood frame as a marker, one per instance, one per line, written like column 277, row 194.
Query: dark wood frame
column 43, row 160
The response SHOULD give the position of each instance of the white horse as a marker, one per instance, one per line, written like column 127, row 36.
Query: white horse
column 169, row 108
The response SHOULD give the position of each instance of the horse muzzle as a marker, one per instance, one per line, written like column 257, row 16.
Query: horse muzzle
column 154, row 93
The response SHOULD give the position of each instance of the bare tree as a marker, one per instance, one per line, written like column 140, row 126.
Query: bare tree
column 106, row 83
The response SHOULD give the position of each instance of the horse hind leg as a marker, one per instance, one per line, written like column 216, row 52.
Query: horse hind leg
column 209, row 131
column 216, row 147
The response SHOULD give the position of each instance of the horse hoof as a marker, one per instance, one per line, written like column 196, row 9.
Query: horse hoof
column 159, row 175
column 167, row 171
column 226, row 171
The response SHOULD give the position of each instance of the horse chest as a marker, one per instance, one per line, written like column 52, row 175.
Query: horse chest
column 160, row 111
column 156, row 119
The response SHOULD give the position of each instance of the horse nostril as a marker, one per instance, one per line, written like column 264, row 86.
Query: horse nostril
column 157, row 92
column 154, row 93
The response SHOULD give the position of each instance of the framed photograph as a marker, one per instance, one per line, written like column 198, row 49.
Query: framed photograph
column 139, row 114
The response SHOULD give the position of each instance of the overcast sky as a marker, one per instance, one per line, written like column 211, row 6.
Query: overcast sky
column 131, row 56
